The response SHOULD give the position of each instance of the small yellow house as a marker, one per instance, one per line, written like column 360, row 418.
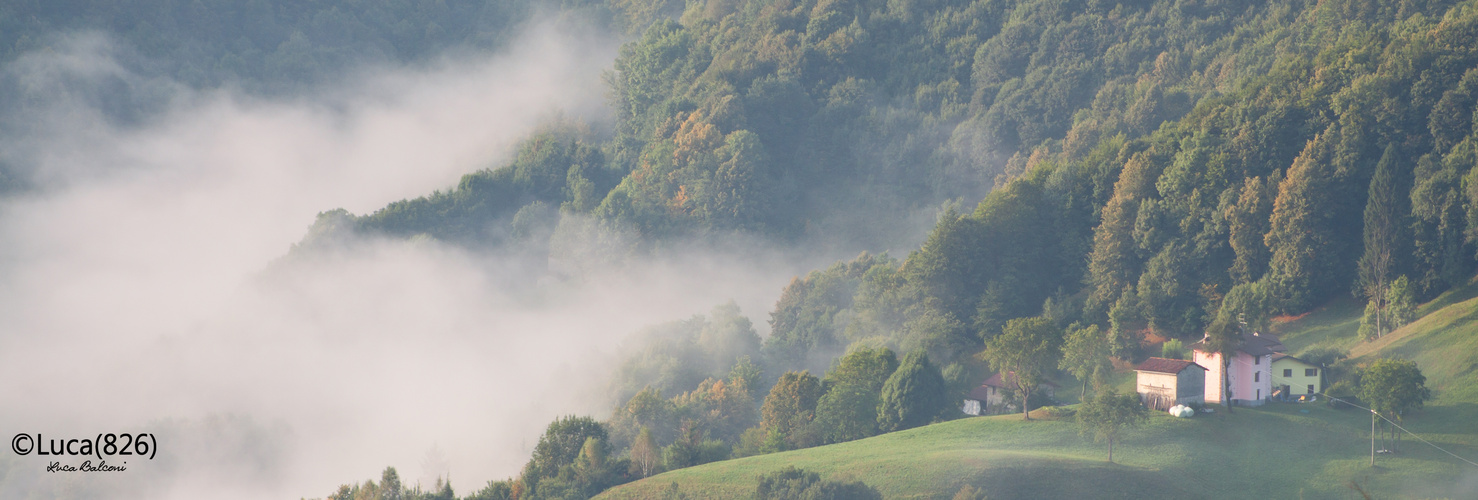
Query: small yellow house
column 1296, row 377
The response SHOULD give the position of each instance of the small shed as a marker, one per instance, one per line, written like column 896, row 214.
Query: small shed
column 990, row 395
column 1163, row 383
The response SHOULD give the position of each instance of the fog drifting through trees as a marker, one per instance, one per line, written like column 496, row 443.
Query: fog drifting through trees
column 139, row 293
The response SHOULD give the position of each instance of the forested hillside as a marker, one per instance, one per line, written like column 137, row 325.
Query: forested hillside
column 1165, row 167
column 1160, row 154
column 267, row 45
column 795, row 120
column 1148, row 159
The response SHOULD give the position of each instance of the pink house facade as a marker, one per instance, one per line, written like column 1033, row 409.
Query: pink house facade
column 1250, row 374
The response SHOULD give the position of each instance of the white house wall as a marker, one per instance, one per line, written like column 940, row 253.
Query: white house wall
column 1251, row 381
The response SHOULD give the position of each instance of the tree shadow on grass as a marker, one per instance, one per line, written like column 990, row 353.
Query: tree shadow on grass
column 1079, row 480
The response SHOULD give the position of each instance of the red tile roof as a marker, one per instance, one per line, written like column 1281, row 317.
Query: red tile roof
column 1163, row 365
column 1254, row 344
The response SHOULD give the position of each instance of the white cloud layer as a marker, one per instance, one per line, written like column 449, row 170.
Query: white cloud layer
column 133, row 297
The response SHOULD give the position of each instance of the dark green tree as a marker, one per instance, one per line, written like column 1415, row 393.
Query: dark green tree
column 440, row 491
column 746, row 375
column 913, row 395
column 1247, row 222
column 1114, row 262
column 1393, row 387
column 562, row 442
column 1437, row 212
column 1124, row 322
column 742, row 187
column 849, row 409
column 1383, row 225
column 791, row 483
column 693, row 447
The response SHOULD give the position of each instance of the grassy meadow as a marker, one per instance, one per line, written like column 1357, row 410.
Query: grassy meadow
column 1281, row 450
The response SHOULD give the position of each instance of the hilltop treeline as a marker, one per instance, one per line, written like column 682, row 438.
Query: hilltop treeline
column 267, row 45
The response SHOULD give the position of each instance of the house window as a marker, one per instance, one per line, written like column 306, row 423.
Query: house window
column 1311, row 388
column 1257, row 360
column 1259, row 394
column 1256, row 376
column 1310, row 372
column 1287, row 372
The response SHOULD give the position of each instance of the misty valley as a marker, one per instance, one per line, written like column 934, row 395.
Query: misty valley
column 771, row 249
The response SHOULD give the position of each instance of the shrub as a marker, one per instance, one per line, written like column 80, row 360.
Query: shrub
column 1172, row 349
column 791, row 483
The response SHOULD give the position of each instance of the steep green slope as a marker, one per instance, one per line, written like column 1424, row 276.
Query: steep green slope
column 1443, row 343
column 1274, row 452
column 1335, row 325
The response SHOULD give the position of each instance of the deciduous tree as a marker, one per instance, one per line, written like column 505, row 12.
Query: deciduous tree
column 1108, row 414
column 1301, row 237
column 849, row 409
column 562, row 441
column 1247, row 222
column 790, row 407
column 1086, row 354
column 1024, row 353
column 644, row 452
column 1394, row 387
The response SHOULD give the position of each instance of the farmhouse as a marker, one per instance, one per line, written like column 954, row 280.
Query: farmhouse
column 1163, row 383
column 1293, row 377
column 991, row 395
column 1250, row 375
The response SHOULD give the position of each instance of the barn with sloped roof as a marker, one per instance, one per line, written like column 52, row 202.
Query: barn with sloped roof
column 1163, row 383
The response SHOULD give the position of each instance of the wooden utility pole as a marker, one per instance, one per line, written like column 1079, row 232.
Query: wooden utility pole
column 1372, row 438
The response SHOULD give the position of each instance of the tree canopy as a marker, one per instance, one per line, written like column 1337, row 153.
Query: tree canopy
column 912, row 396
column 1109, row 414
column 849, row 409
column 1394, row 387
column 1025, row 354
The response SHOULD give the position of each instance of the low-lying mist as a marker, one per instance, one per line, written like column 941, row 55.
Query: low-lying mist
column 143, row 286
